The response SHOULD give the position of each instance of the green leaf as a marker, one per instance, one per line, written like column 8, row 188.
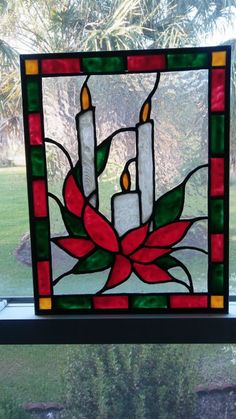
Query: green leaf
column 78, row 173
column 167, row 262
column 73, row 224
column 169, row 207
column 97, row 261
column 102, row 154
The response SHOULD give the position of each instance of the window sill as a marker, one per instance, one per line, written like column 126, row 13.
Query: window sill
column 19, row 325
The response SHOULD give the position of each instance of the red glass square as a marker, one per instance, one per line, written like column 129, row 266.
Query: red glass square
column 188, row 301
column 39, row 198
column 44, row 277
column 217, row 247
column 217, row 90
column 35, row 129
column 217, row 176
column 146, row 62
column 60, row 66
column 109, row 302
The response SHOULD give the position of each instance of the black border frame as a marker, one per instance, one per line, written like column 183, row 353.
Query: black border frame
column 39, row 77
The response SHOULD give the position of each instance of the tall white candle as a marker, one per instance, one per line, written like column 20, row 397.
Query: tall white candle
column 145, row 162
column 125, row 207
column 85, row 123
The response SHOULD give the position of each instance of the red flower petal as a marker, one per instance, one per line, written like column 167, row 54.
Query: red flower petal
column 74, row 199
column 169, row 234
column 148, row 254
column 134, row 239
column 151, row 273
column 74, row 246
column 120, row 271
column 100, row 230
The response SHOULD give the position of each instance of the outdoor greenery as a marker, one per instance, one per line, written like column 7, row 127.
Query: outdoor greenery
column 71, row 25
column 132, row 381
column 109, row 381
column 150, row 381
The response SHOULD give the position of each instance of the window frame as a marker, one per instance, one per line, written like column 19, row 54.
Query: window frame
column 19, row 325
column 33, row 69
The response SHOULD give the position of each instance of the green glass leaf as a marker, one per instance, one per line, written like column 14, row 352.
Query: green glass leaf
column 167, row 262
column 169, row 207
column 102, row 154
column 97, row 261
column 78, row 173
column 73, row 224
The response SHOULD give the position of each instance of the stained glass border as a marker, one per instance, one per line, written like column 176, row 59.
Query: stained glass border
column 34, row 67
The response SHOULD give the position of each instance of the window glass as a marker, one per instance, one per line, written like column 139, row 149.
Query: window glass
column 180, row 145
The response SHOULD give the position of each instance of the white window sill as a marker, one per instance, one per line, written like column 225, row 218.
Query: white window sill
column 19, row 325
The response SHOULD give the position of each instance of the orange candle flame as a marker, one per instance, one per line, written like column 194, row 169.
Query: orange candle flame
column 85, row 97
column 125, row 181
column 145, row 111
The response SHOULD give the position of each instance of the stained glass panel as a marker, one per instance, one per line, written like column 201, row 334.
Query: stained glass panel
column 118, row 223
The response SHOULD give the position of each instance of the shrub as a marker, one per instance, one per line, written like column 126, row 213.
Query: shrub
column 129, row 381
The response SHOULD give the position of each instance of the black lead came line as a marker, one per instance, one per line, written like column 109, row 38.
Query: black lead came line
column 50, row 141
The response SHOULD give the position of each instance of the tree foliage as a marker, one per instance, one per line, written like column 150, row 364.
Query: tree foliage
column 129, row 381
column 71, row 25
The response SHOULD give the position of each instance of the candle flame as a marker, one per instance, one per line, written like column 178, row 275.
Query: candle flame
column 125, row 181
column 85, row 97
column 145, row 111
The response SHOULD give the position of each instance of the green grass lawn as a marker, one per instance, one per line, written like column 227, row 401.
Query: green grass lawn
column 38, row 373
column 16, row 278
column 30, row 374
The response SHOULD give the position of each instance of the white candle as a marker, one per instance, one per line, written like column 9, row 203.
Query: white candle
column 145, row 162
column 85, row 123
column 125, row 207
column 125, row 211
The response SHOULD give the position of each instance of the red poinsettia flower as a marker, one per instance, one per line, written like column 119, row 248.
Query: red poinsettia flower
column 137, row 251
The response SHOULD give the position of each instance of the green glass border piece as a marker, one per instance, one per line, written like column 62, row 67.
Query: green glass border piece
column 217, row 281
column 149, row 301
column 37, row 161
column 33, row 96
column 217, row 134
column 189, row 60
column 216, row 215
column 103, row 64
column 42, row 239
column 73, row 302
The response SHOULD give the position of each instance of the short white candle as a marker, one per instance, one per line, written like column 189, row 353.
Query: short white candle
column 125, row 211
column 85, row 123
column 145, row 168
